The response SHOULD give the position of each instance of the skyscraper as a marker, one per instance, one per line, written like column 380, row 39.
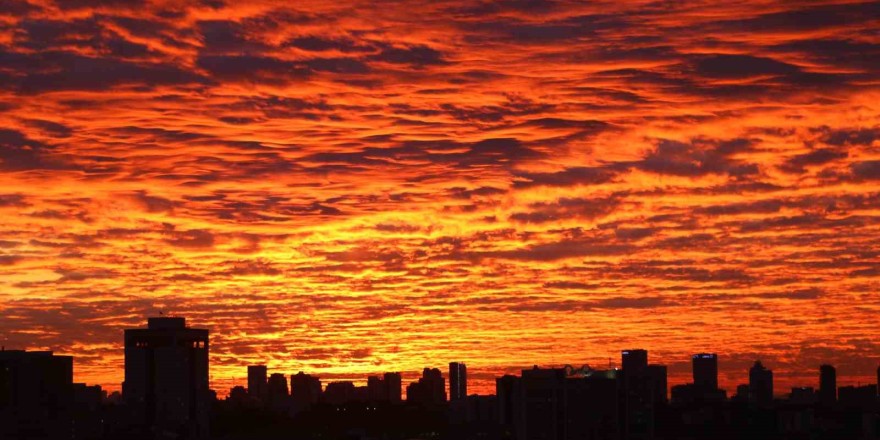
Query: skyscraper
column 430, row 389
column 638, row 395
column 394, row 385
column 760, row 384
column 305, row 391
column 705, row 371
column 507, row 392
column 166, row 376
column 36, row 394
column 376, row 389
column 257, row 381
column 658, row 374
column 277, row 394
column 827, row 385
column 457, row 381
column 634, row 360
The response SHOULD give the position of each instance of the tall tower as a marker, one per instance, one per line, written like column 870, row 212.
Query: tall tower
column 634, row 361
column 827, row 385
column 760, row 384
column 394, row 384
column 457, row 381
column 166, row 377
column 257, row 380
column 705, row 370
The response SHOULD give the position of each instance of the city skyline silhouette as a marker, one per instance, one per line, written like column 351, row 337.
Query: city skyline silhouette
column 349, row 189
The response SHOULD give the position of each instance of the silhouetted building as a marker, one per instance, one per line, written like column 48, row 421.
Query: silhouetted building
column 88, row 420
column 339, row 393
column 239, row 397
column 658, row 375
column 481, row 409
column 705, row 370
column 803, row 396
column 543, row 415
column 742, row 394
column 376, row 389
column 591, row 407
column 257, row 382
column 166, row 377
column 852, row 397
column 760, row 384
column 637, row 395
column 305, row 391
column 507, row 393
column 394, row 386
column 36, row 394
column 561, row 404
column 827, row 385
column 634, row 360
column 457, row 381
column 277, row 394
column 690, row 393
column 430, row 389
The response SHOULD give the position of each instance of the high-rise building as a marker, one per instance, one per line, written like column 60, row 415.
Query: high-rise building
column 507, row 392
column 705, row 370
column 760, row 384
column 864, row 396
column 36, row 394
column 634, row 360
column 305, row 391
column 430, row 389
column 394, row 386
column 802, row 396
column 543, row 416
column 564, row 403
column 257, row 381
column 277, row 394
column 340, row 393
column 658, row 375
column 457, row 381
column 827, row 385
column 166, row 377
column 376, row 389
column 637, row 395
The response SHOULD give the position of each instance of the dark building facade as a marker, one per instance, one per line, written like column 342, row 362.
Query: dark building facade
column 760, row 384
column 394, row 386
column 36, row 394
column 340, row 393
column 277, row 393
column 457, row 381
column 305, row 391
column 507, row 390
column 166, row 377
column 561, row 404
column 705, row 370
column 257, row 381
column 634, row 360
column 851, row 397
column 827, row 385
column 643, row 389
column 430, row 389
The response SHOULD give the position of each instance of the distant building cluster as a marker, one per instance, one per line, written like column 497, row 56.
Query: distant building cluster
column 305, row 391
column 166, row 395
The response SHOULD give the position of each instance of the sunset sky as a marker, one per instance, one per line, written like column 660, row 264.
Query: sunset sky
column 347, row 188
